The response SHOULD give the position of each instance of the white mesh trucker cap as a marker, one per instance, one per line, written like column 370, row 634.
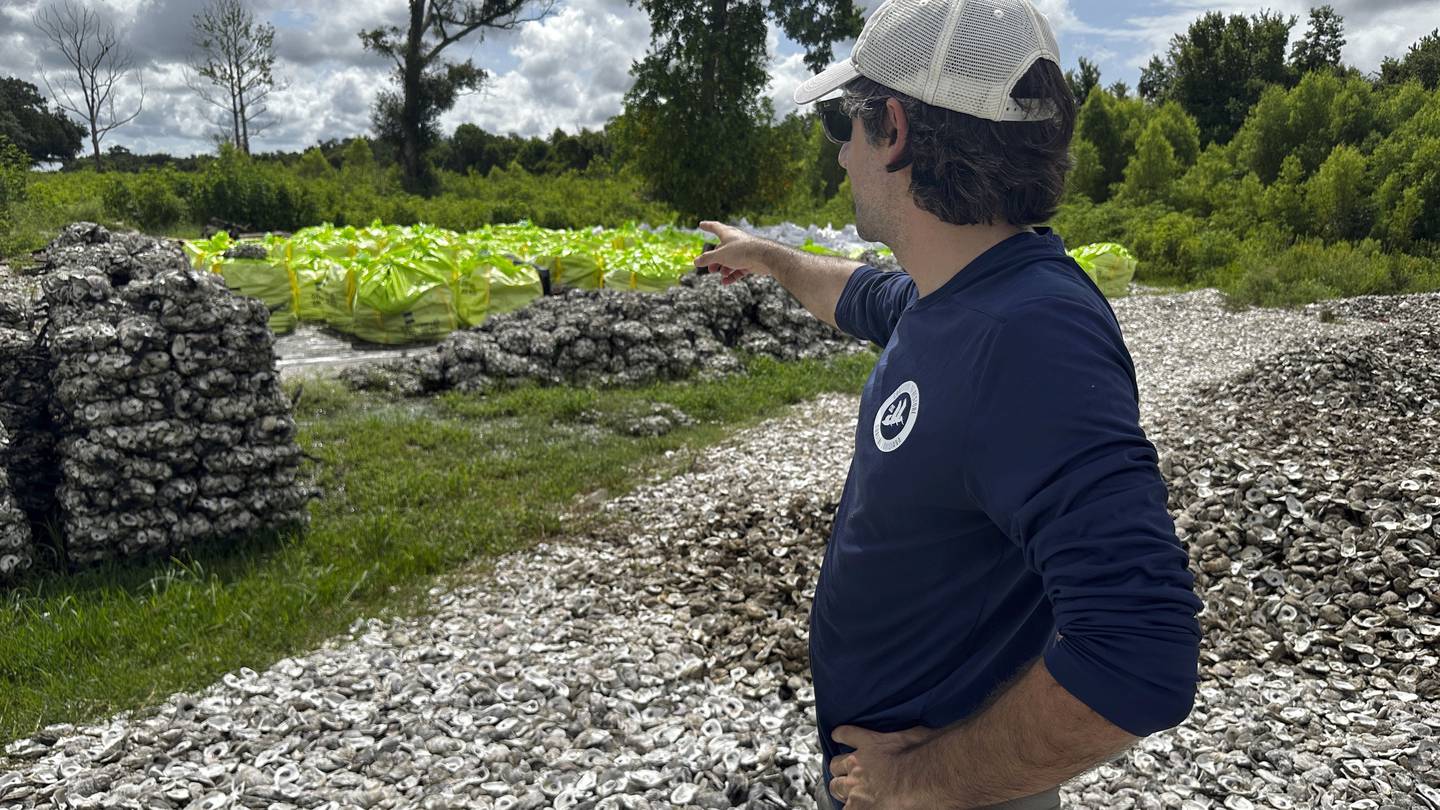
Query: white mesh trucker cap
column 963, row 55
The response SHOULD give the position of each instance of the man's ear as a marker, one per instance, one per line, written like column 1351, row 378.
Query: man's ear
column 899, row 128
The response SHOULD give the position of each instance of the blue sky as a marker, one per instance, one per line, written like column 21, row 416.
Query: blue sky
column 569, row 70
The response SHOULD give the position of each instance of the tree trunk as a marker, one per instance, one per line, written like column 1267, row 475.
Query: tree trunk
column 234, row 121
column 410, row 123
column 95, row 144
column 237, row 99
column 244, row 126
column 718, row 9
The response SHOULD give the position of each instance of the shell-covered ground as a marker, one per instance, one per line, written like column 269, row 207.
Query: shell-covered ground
column 663, row 661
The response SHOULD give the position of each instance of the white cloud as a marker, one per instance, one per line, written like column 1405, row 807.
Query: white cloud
column 1062, row 18
column 788, row 70
column 571, row 72
column 1374, row 29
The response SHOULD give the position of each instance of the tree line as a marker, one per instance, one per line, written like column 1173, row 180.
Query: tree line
column 701, row 83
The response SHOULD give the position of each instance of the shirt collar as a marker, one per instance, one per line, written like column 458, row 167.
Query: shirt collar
column 996, row 258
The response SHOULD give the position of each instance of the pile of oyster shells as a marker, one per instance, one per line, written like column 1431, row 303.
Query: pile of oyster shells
column 611, row 337
column 1308, row 492
column 154, row 390
column 660, row 661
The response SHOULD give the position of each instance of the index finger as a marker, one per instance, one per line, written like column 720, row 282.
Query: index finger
column 720, row 229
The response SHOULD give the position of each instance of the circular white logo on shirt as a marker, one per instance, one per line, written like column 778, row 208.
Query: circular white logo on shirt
column 897, row 416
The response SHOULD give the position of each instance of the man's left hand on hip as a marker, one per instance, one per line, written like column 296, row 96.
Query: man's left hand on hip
column 878, row 774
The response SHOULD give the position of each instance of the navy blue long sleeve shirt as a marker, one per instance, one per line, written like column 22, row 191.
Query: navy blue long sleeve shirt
column 1002, row 504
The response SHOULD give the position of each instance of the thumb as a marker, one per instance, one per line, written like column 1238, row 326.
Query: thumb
column 852, row 736
column 715, row 255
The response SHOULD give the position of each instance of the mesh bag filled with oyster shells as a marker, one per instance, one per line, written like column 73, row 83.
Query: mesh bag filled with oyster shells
column 122, row 257
column 29, row 458
column 173, row 428
column 611, row 337
column 15, row 545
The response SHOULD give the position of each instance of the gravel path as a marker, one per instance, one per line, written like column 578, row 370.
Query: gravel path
column 662, row 663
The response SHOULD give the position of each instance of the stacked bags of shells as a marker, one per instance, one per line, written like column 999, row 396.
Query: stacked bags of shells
column 173, row 428
column 123, row 257
column 15, row 545
column 29, row 458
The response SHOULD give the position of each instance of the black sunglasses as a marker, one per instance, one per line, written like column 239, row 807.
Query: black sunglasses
column 837, row 125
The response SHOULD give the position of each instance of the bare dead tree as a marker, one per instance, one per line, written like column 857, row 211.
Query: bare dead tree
column 234, row 67
column 98, row 64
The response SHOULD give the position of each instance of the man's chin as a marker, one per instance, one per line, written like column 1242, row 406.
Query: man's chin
column 862, row 228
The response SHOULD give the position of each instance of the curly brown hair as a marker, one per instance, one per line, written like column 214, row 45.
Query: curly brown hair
column 968, row 170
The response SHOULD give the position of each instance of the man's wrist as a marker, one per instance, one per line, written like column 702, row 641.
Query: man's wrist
column 777, row 259
column 934, row 763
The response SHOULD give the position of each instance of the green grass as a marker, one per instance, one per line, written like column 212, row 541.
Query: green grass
column 417, row 492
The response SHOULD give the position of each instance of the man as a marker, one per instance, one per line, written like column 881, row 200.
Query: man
column 1003, row 602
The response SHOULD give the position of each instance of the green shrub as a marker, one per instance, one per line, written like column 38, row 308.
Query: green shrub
column 14, row 179
column 1311, row 270
column 117, row 200
column 234, row 188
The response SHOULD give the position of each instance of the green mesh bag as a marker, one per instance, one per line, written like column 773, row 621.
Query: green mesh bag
column 335, row 294
column 1108, row 264
column 490, row 285
column 399, row 301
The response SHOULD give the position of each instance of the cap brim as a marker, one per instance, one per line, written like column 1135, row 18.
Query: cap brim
column 825, row 82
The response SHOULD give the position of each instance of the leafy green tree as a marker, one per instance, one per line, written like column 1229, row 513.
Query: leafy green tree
column 1337, row 197
column 359, row 171
column 1149, row 175
column 1421, row 63
column 1265, row 138
column 825, row 170
column 314, row 166
column 1353, row 114
column 1119, row 89
column 42, row 134
column 1320, row 48
column 1398, row 104
column 1155, row 80
column 429, row 84
column 358, row 156
column 533, row 155
column 1207, row 185
column 1407, row 197
column 787, row 164
column 467, row 149
column 157, row 205
column 1103, row 124
column 1087, row 171
column 566, row 153
column 1307, row 121
column 1180, row 131
column 1285, row 198
column 1083, row 82
column 1218, row 69
column 700, row 87
column 1239, row 208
